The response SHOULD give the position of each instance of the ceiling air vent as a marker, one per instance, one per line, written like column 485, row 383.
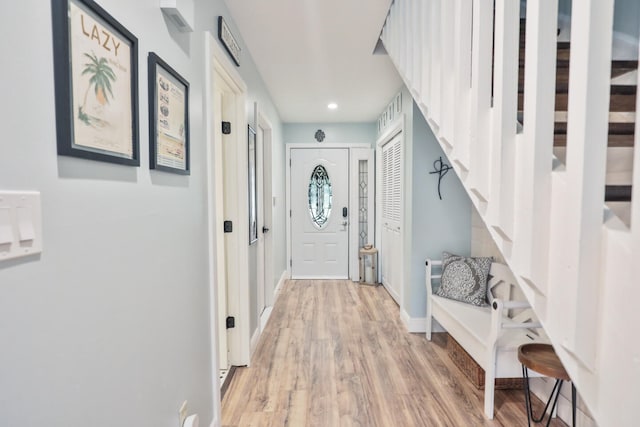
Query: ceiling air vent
column 180, row 12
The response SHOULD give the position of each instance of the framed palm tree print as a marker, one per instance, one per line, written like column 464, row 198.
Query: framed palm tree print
column 96, row 89
column 168, row 118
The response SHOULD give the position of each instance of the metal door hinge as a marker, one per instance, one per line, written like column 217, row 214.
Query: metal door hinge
column 231, row 322
column 228, row 226
column 290, row 263
column 226, row 128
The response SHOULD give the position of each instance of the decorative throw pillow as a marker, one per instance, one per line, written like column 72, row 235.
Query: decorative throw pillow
column 464, row 279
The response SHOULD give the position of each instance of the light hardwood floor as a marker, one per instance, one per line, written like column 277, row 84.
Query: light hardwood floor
column 336, row 353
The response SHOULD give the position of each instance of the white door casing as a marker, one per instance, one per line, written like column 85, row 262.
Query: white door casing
column 261, row 224
column 221, row 270
column 265, row 220
column 236, row 243
column 265, row 214
column 319, row 251
column 225, row 90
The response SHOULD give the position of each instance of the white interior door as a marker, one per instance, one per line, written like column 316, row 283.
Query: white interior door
column 265, row 216
column 223, row 347
column 261, row 223
column 319, row 213
column 391, row 238
column 229, row 178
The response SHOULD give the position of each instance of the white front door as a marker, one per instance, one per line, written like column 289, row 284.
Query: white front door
column 319, row 213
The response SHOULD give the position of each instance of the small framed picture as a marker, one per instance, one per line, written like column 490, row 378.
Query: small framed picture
column 168, row 118
column 96, row 84
column 253, row 185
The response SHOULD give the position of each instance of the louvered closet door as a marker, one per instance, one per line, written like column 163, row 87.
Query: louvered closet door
column 391, row 238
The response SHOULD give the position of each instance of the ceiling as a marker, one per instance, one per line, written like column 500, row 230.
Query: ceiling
column 313, row 52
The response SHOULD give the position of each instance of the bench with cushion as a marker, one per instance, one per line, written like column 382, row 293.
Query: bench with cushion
column 490, row 333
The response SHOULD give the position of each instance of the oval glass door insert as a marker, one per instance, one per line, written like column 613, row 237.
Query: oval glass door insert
column 320, row 196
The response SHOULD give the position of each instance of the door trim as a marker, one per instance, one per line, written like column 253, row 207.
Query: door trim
column 265, row 282
column 267, row 219
column 218, row 66
column 352, row 274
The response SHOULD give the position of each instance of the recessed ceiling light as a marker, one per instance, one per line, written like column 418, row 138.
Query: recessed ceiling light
column 332, row 106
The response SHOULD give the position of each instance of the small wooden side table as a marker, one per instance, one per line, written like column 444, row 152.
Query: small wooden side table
column 542, row 359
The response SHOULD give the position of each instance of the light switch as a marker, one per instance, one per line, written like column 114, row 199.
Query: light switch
column 6, row 230
column 20, row 224
column 25, row 224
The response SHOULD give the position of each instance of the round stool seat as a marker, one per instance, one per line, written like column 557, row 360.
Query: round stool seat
column 542, row 359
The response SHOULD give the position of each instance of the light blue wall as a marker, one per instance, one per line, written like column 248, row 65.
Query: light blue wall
column 627, row 17
column 437, row 225
column 364, row 133
column 111, row 325
column 431, row 225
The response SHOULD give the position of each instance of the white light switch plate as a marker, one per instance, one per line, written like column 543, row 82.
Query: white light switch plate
column 6, row 228
column 182, row 412
column 20, row 224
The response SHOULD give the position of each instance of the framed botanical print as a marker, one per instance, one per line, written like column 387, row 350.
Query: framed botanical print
column 168, row 118
column 96, row 84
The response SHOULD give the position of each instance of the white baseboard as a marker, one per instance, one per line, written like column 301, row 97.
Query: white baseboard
column 392, row 293
column 418, row 325
column 542, row 387
column 413, row 324
column 266, row 315
column 262, row 323
column 264, row 318
column 254, row 340
column 284, row 276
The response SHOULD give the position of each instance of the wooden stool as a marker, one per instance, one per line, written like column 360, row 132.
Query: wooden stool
column 543, row 359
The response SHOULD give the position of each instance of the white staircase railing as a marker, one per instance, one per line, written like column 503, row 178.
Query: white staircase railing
column 578, row 265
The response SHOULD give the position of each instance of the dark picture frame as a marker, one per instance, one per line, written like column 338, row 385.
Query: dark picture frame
column 252, row 156
column 96, row 84
column 228, row 41
column 169, row 148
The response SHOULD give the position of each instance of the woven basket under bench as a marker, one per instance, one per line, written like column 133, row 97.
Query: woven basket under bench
column 473, row 371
